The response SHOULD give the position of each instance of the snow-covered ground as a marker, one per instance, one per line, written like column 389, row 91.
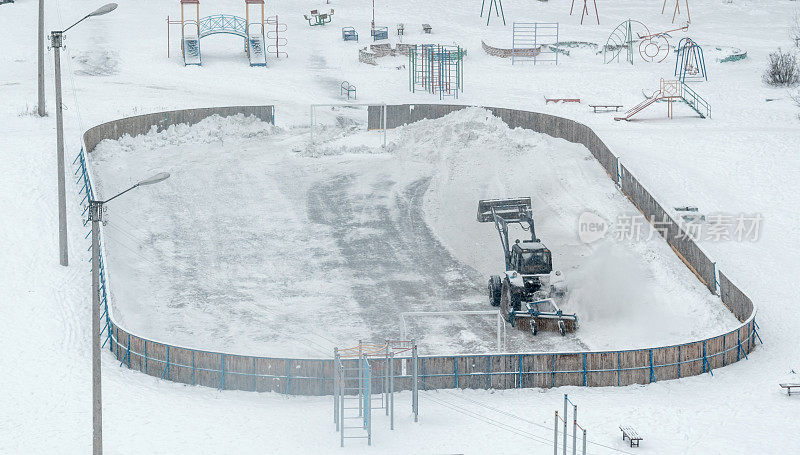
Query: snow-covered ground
column 741, row 161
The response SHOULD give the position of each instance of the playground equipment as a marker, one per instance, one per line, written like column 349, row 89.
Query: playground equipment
column 677, row 10
column 527, row 291
column 349, row 34
column 498, row 12
column 193, row 28
column 190, row 34
column 277, row 42
column 256, row 49
column 585, row 10
column 653, row 47
column 347, row 88
column 361, row 373
column 436, row 68
column 671, row 91
column 317, row 18
column 689, row 63
column 534, row 41
column 559, row 420
column 379, row 33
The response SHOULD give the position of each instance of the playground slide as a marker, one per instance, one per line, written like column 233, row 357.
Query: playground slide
column 257, row 53
column 640, row 107
column 191, row 51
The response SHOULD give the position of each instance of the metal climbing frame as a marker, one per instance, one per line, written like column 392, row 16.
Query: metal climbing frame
column 436, row 68
column 364, row 379
column 277, row 41
column 534, row 42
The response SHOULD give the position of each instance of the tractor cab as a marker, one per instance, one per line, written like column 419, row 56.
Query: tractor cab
column 531, row 258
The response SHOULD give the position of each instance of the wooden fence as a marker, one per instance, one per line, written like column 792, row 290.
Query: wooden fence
column 482, row 371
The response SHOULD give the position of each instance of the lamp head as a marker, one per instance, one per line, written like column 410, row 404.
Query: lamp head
column 107, row 8
column 154, row 179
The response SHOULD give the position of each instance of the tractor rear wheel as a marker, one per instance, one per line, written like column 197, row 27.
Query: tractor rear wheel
column 495, row 290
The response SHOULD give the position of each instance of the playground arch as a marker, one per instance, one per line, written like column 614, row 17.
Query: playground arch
column 479, row 371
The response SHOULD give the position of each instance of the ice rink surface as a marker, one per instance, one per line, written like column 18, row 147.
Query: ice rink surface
column 262, row 243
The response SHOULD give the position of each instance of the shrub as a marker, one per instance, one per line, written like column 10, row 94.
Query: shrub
column 782, row 69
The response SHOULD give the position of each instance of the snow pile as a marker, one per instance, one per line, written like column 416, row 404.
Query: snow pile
column 209, row 130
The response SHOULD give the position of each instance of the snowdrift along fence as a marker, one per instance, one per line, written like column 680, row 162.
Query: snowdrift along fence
column 481, row 371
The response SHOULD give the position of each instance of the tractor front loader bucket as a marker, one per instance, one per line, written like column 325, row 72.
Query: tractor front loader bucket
column 504, row 208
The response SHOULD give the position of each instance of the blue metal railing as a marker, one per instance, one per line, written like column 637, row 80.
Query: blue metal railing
column 85, row 189
column 223, row 23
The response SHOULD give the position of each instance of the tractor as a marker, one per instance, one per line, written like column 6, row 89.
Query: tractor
column 528, row 292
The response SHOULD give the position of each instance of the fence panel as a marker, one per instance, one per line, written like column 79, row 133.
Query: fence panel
column 601, row 361
column 739, row 304
column 568, row 369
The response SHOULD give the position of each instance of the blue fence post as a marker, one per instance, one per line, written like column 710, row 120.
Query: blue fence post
column 680, row 361
column 738, row 344
column 724, row 351
column 455, row 369
column 222, row 371
column 618, row 367
column 166, row 367
column 145, row 356
column 128, row 354
column 584, row 370
column 519, row 372
column 705, row 361
column 652, row 372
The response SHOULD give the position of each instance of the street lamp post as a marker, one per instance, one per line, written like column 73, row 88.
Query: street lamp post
column 57, row 41
column 40, row 106
column 96, row 216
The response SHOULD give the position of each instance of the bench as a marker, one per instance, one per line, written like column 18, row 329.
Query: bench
column 789, row 387
column 631, row 434
column 380, row 33
column 605, row 107
column 561, row 100
column 348, row 88
column 426, row 28
column 318, row 19
column 349, row 34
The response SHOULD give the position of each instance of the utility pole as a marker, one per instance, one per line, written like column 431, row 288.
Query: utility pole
column 41, row 105
column 56, row 41
column 96, row 216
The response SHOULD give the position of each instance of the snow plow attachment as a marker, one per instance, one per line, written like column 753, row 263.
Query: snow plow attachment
column 508, row 209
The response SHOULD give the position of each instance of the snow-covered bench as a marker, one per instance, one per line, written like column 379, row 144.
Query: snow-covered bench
column 631, row 434
column 789, row 387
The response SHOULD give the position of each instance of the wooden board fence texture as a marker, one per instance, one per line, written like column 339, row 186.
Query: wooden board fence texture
column 480, row 371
